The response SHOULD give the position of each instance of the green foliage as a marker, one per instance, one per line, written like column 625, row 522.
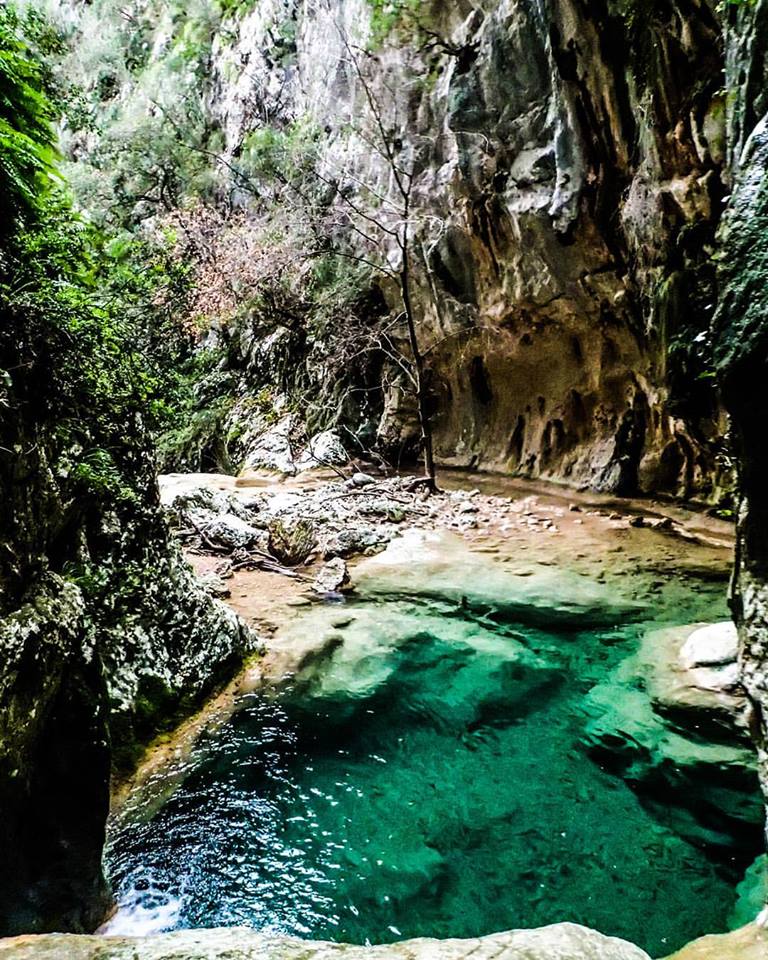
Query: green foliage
column 287, row 155
column 88, row 330
column 197, row 438
column 71, row 323
column 142, row 103
column 27, row 152
column 388, row 15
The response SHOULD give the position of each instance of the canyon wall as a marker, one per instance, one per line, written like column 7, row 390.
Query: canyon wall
column 741, row 338
column 105, row 634
column 574, row 157
column 578, row 158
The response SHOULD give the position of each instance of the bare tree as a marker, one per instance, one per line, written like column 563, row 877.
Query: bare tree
column 381, row 220
column 381, row 225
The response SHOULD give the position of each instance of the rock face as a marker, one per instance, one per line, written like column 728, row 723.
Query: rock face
column 105, row 637
column 574, row 155
column 674, row 725
column 741, row 344
column 565, row 941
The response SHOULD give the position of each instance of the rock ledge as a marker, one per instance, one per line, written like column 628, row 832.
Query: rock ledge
column 563, row 941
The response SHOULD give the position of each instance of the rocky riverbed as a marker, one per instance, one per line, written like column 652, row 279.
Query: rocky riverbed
column 566, row 554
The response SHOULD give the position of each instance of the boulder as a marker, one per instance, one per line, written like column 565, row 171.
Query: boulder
column 714, row 645
column 354, row 540
column 333, row 577
column 291, row 542
column 324, row 449
column 226, row 530
column 210, row 499
column 273, row 450
column 213, row 584
column 361, row 480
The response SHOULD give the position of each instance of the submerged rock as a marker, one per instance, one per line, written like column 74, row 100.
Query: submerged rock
column 675, row 726
column 369, row 661
column 563, row 941
column 439, row 565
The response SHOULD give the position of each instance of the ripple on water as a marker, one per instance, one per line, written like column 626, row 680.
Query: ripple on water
column 427, row 778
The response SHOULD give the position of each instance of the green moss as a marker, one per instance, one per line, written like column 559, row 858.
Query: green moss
column 387, row 16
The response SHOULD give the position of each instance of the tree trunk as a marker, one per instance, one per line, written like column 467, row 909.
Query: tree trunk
column 418, row 365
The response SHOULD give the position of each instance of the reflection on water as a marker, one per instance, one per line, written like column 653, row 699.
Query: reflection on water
column 426, row 778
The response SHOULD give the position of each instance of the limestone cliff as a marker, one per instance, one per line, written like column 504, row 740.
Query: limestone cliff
column 742, row 342
column 578, row 156
column 573, row 155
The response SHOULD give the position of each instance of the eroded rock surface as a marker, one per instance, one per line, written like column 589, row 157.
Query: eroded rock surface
column 675, row 726
column 564, row 941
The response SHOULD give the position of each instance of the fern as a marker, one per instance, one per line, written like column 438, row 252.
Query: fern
column 27, row 142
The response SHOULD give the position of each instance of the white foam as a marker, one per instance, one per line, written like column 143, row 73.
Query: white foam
column 142, row 913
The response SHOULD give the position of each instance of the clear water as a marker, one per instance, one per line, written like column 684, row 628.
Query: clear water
column 426, row 777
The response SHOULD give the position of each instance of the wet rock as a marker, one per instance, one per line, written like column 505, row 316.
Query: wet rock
column 562, row 941
column 679, row 734
column 333, row 577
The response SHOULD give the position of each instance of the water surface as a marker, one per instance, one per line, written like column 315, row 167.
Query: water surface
column 426, row 776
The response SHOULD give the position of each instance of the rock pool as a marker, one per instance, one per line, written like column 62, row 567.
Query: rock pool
column 427, row 772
